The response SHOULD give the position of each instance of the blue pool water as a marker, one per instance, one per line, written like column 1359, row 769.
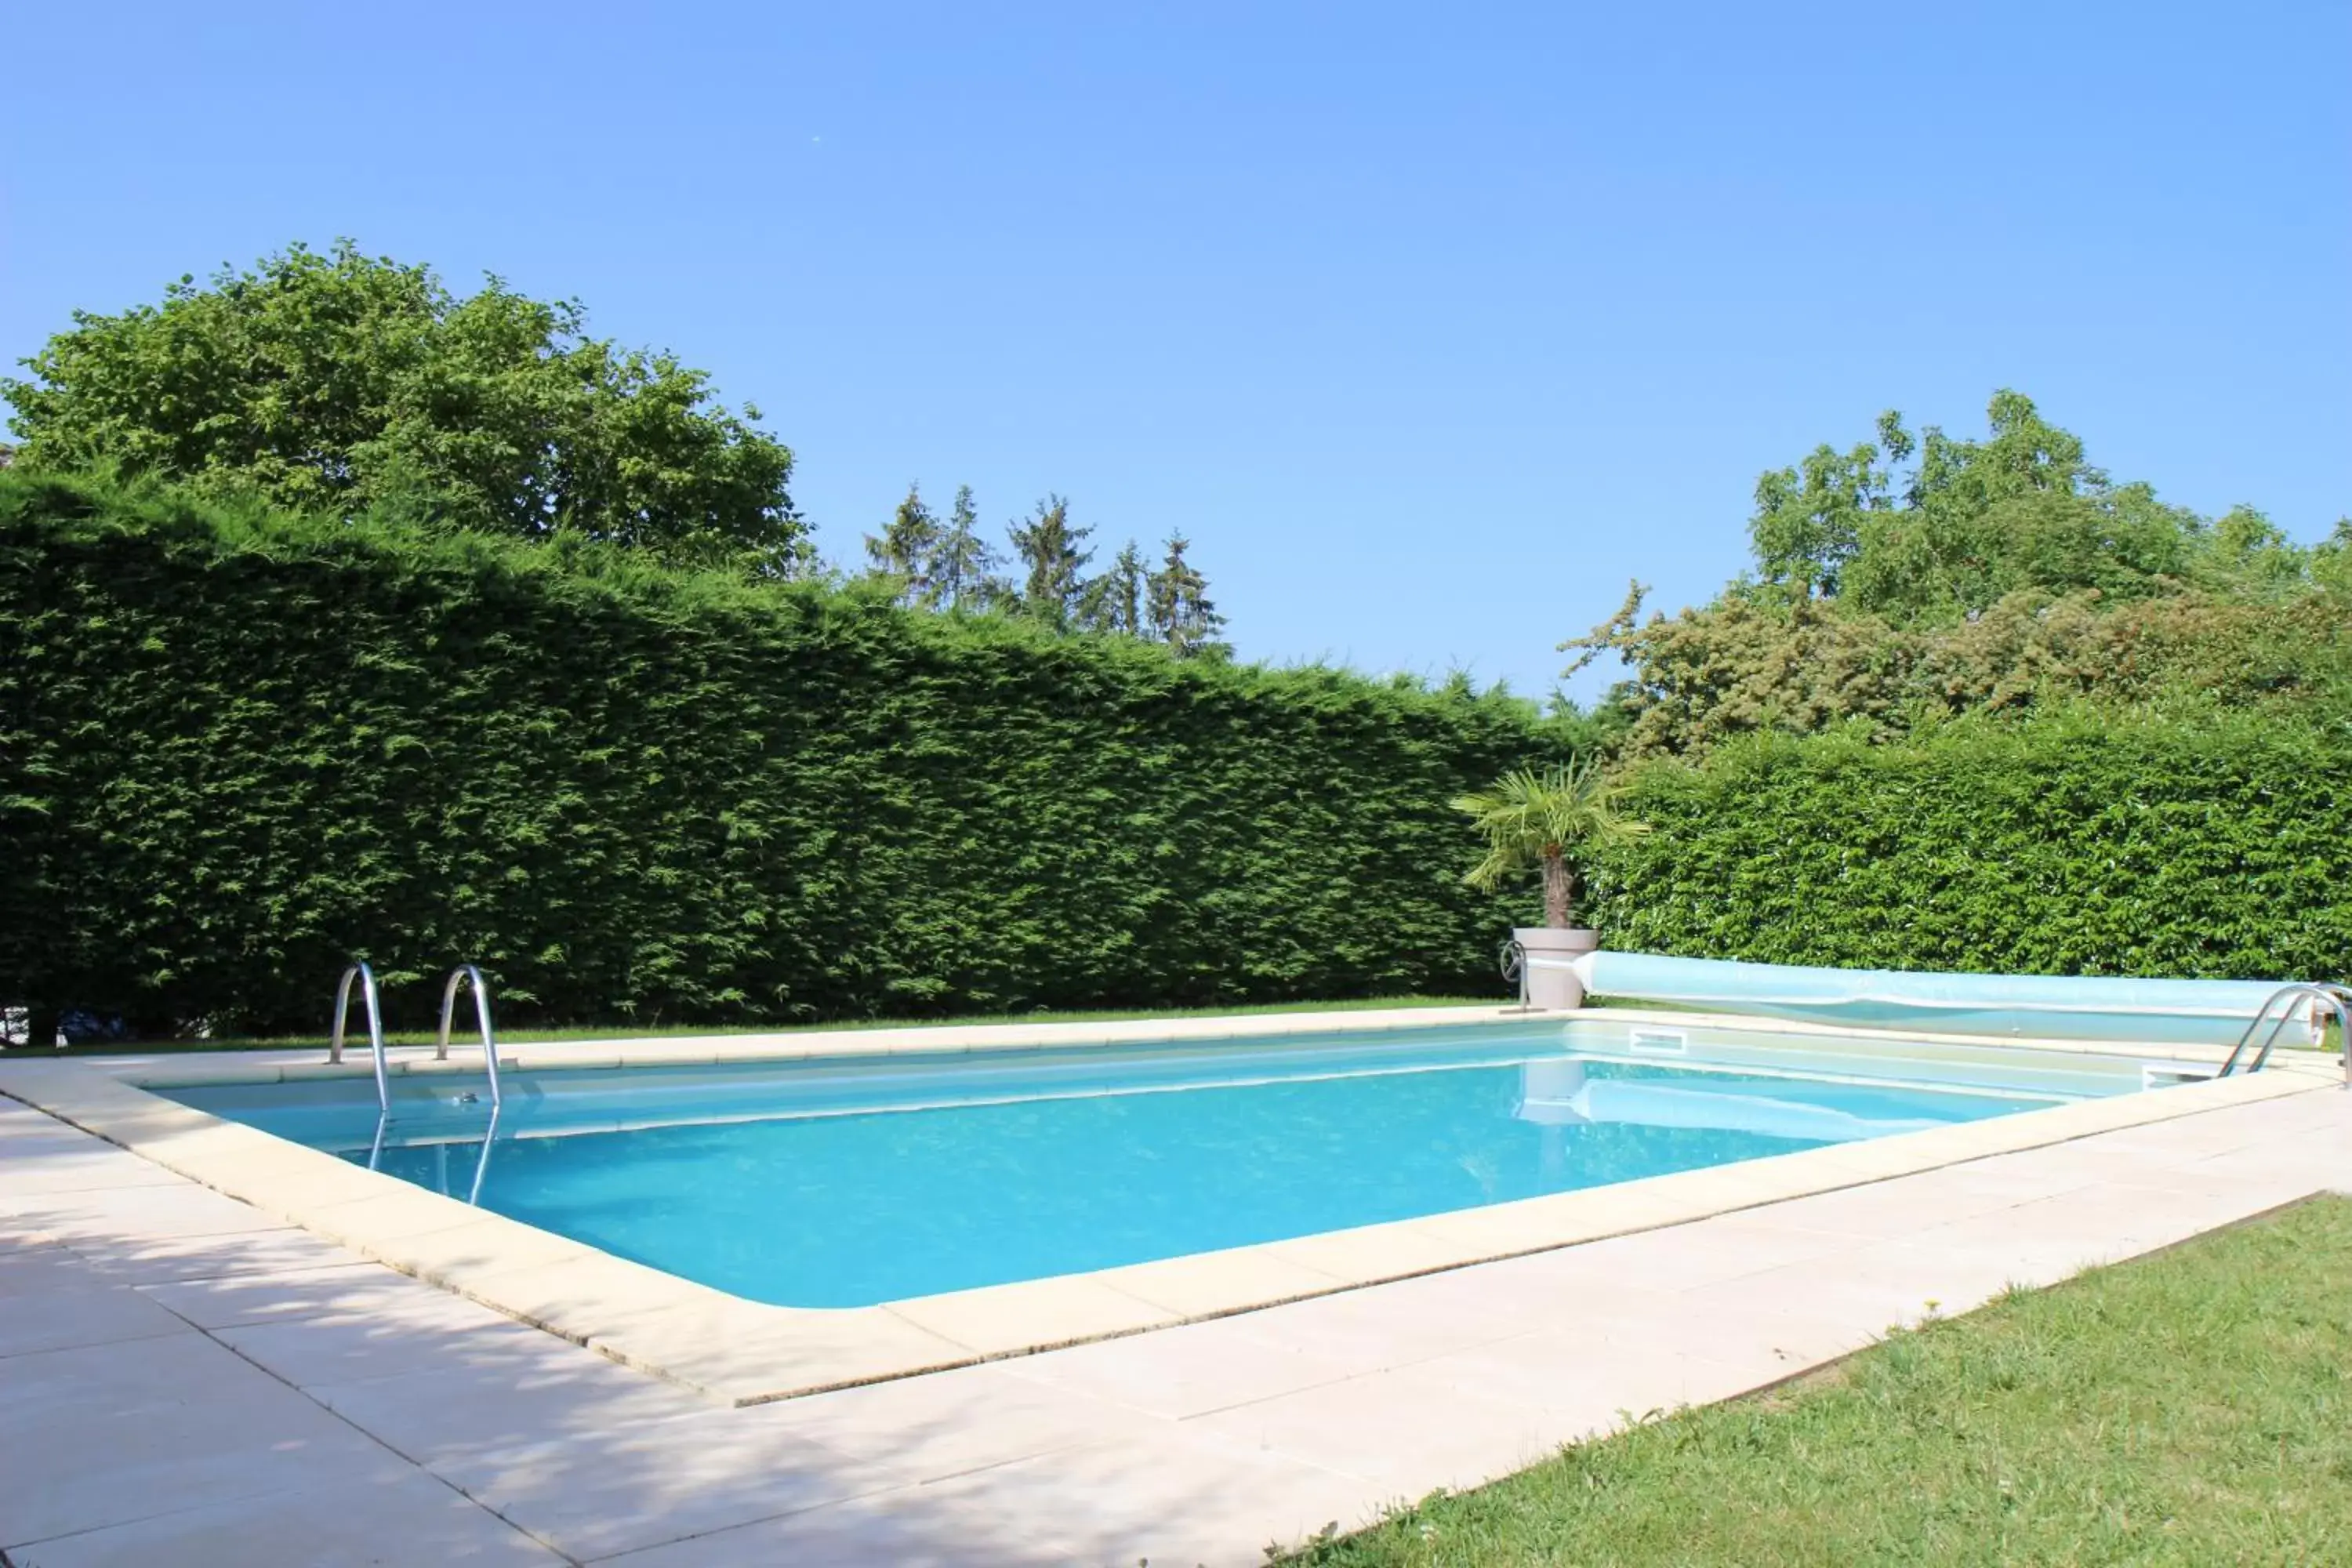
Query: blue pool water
column 844, row 1182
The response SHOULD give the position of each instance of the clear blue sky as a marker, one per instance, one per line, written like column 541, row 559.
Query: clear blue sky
column 1430, row 325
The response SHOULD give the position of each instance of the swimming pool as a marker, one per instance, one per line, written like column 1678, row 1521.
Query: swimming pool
column 851, row 1181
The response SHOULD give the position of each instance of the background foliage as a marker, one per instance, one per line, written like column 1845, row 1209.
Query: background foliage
column 239, row 747
column 341, row 382
column 1990, row 711
column 927, row 565
column 1997, row 576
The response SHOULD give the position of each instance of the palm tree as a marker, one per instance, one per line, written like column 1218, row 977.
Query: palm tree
column 1541, row 820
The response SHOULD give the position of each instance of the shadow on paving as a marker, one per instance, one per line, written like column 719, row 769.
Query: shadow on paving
column 272, row 1397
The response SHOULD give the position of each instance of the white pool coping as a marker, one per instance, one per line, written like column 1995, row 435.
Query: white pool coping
column 743, row 1352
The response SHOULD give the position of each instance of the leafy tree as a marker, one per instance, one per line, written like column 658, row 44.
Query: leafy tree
column 1053, row 551
column 1177, row 607
column 2331, row 558
column 1973, row 521
column 1548, row 822
column 2024, row 453
column 907, row 548
column 340, row 383
column 2024, row 509
column 1808, row 522
column 2245, row 551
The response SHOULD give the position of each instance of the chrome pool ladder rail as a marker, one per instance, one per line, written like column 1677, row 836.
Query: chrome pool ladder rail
column 2322, row 997
column 482, row 1163
column 465, row 972
column 360, row 971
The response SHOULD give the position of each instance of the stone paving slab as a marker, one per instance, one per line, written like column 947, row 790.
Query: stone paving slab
column 408, row 1518
column 56, row 1319
column 131, row 1259
column 913, row 1430
column 411, row 1340
column 904, row 1529
column 112, row 1434
column 614, row 1488
column 487, row 1397
column 194, row 1383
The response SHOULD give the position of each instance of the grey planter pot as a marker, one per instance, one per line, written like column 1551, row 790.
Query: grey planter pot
column 1551, row 985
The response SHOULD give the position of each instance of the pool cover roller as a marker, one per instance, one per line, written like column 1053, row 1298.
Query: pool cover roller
column 2059, row 1006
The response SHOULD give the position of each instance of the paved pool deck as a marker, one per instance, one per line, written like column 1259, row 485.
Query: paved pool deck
column 740, row 1352
column 185, row 1378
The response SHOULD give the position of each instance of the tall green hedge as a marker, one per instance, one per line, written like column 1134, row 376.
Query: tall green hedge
column 2083, row 843
column 234, row 749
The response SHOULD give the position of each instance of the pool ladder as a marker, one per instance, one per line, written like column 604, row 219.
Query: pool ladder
column 366, row 977
column 2323, row 997
column 360, row 971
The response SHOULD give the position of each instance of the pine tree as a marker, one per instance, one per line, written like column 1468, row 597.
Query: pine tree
column 961, row 569
column 1114, row 601
column 1128, row 574
column 1051, row 549
column 907, row 548
column 1178, row 609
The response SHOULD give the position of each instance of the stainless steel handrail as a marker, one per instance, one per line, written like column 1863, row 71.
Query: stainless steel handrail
column 482, row 1164
column 441, row 1153
column 481, row 1019
column 2341, row 1004
column 366, row 977
column 2290, row 995
column 2337, row 999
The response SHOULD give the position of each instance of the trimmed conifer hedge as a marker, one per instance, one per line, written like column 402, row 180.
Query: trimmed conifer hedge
column 2079, row 844
column 237, row 748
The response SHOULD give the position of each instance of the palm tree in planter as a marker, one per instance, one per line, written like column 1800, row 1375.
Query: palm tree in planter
column 1548, row 822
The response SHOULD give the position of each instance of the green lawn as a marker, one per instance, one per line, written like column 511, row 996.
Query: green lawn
column 2193, row 1408
column 465, row 1021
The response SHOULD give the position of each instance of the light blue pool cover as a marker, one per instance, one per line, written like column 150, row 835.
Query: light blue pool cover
column 2065, row 1006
